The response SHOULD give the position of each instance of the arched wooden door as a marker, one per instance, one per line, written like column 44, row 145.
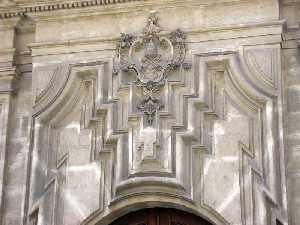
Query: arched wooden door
column 160, row 216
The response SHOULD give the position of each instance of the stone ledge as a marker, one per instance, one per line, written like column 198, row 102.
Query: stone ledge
column 266, row 30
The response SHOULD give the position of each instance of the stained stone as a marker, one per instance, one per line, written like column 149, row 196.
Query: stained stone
column 109, row 107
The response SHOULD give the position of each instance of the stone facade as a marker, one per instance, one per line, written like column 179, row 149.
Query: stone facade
column 111, row 106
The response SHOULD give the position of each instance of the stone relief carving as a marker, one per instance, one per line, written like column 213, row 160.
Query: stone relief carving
column 151, row 57
column 68, row 142
column 163, row 133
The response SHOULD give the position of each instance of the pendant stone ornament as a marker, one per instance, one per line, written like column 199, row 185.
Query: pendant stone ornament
column 151, row 57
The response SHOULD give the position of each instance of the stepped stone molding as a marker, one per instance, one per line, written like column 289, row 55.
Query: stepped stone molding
column 184, row 166
column 59, row 119
column 146, row 128
column 21, row 11
column 113, row 106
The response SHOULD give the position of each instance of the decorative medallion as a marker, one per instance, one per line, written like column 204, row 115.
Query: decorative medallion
column 152, row 57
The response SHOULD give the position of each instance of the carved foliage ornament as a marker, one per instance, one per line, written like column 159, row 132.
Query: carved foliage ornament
column 152, row 57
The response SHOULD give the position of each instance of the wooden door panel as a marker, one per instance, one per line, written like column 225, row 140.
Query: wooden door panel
column 183, row 218
column 134, row 218
column 160, row 216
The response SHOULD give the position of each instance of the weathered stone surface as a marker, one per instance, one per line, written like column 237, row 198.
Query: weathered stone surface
column 111, row 106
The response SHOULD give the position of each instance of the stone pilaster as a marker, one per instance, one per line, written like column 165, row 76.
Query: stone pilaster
column 291, row 71
column 8, row 76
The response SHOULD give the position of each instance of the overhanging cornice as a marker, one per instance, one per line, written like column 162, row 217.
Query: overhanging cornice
column 20, row 10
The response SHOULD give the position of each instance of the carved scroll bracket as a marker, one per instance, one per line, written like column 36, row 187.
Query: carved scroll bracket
column 151, row 57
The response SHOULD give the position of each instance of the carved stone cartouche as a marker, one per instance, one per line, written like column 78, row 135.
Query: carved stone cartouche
column 151, row 57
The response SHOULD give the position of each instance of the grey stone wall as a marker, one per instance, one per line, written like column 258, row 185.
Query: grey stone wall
column 291, row 65
column 16, row 89
column 76, row 148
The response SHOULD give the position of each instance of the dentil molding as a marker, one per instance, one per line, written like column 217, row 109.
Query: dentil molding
column 22, row 10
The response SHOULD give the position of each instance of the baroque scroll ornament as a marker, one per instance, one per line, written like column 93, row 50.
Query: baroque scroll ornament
column 152, row 57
